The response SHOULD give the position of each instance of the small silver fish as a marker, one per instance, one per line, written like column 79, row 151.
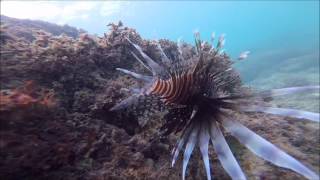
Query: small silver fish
column 243, row 55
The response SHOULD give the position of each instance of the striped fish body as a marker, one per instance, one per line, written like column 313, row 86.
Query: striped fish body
column 177, row 89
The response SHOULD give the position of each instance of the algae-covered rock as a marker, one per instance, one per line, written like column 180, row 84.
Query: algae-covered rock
column 76, row 137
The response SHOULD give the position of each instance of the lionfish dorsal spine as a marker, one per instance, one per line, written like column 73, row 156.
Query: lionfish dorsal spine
column 151, row 64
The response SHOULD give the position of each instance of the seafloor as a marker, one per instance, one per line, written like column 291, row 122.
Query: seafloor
column 57, row 85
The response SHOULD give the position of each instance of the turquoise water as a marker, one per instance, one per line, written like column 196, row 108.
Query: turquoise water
column 278, row 34
column 283, row 37
column 253, row 25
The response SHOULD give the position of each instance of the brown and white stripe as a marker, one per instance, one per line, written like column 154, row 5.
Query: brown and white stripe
column 177, row 89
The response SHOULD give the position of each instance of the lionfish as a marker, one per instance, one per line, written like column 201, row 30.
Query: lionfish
column 200, row 96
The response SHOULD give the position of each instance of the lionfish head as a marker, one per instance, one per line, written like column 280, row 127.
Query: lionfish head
column 200, row 94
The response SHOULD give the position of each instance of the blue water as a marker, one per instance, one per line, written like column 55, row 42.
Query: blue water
column 248, row 25
column 277, row 33
column 283, row 37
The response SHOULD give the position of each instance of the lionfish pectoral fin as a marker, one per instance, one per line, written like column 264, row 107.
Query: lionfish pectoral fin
column 287, row 91
column 131, row 90
column 275, row 92
column 225, row 156
column 265, row 149
column 204, row 138
column 189, row 148
column 181, row 142
column 124, row 103
column 136, row 75
column 284, row 112
column 176, row 106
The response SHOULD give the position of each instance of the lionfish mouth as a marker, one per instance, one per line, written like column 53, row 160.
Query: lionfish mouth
column 200, row 94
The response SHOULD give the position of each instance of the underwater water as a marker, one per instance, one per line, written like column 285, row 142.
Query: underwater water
column 278, row 34
column 61, row 91
column 282, row 36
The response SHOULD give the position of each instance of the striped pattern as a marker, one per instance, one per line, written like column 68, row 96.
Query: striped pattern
column 175, row 90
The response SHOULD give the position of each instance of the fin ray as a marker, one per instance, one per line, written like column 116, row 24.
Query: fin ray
column 136, row 75
column 204, row 138
column 266, row 150
column 189, row 148
column 224, row 153
column 287, row 91
column 284, row 112
column 164, row 57
column 141, row 62
column 156, row 68
column 181, row 142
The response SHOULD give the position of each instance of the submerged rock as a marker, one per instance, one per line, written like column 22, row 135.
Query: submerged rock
column 78, row 138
